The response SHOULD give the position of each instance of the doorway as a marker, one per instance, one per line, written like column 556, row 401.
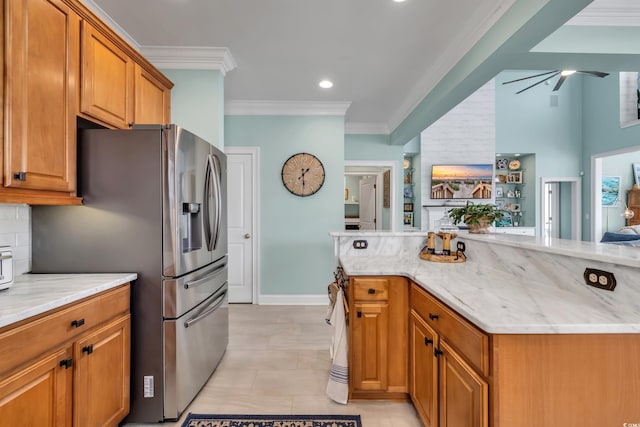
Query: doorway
column 561, row 211
column 384, row 218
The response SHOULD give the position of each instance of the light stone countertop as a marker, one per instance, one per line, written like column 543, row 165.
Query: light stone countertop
column 498, row 302
column 34, row 294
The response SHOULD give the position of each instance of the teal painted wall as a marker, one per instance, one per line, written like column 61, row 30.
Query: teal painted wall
column 529, row 123
column 378, row 147
column 197, row 103
column 602, row 131
column 296, row 252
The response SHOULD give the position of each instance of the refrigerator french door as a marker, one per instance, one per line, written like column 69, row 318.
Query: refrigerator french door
column 154, row 203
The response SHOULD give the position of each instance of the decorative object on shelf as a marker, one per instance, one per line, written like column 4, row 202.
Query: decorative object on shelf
column 610, row 191
column 501, row 164
column 514, row 207
column 303, row 174
column 636, row 173
column 477, row 216
column 516, row 193
column 501, row 178
column 514, row 164
column 408, row 207
column 499, row 192
column 407, row 177
column 408, row 218
column 406, row 164
column 511, row 194
column 514, row 177
column 346, row 194
column 408, row 192
column 500, row 204
column 386, row 185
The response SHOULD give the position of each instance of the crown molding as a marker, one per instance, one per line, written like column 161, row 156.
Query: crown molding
column 190, row 58
column 609, row 13
column 100, row 13
column 364, row 128
column 285, row 108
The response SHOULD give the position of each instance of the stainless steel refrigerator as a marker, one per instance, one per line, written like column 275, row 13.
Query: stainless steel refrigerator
column 154, row 203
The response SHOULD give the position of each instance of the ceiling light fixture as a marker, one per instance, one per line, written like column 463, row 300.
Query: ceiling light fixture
column 565, row 73
column 399, row 1
column 326, row 84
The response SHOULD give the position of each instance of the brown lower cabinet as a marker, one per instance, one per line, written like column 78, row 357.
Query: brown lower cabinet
column 74, row 366
column 461, row 376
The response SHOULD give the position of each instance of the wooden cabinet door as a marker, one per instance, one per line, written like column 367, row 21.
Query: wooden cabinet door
column 424, row 368
column 39, row 395
column 152, row 99
column 101, row 396
column 463, row 393
column 107, row 80
column 369, row 344
column 41, row 61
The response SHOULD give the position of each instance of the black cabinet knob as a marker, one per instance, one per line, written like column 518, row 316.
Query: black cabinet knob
column 427, row 341
column 66, row 363
column 88, row 349
column 77, row 323
column 371, row 291
column 433, row 316
column 437, row 352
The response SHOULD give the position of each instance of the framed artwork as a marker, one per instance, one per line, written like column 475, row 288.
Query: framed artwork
column 408, row 218
column 346, row 194
column 515, row 207
column 499, row 192
column 636, row 173
column 408, row 207
column 500, row 204
column 515, row 177
column 386, row 189
column 610, row 191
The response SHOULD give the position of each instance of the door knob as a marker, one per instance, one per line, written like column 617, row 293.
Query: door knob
column 247, row 236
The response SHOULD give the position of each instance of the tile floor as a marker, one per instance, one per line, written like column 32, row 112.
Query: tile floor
column 277, row 362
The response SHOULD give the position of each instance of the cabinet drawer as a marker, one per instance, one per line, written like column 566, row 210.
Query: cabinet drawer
column 25, row 342
column 468, row 340
column 371, row 288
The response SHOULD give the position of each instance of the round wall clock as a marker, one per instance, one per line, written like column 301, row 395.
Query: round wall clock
column 303, row 174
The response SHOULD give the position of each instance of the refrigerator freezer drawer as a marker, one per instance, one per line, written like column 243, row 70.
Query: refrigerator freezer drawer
column 193, row 346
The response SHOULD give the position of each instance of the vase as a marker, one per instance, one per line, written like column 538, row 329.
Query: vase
column 482, row 227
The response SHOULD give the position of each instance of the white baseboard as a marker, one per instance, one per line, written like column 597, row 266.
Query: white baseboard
column 270, row 299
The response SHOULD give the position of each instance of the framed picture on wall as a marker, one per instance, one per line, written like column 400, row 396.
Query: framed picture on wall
column 408, row 218
column 610, row 191
column 636, row 173
column 408, row 207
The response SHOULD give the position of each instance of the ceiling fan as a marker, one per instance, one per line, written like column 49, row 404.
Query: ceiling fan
column 551, row 74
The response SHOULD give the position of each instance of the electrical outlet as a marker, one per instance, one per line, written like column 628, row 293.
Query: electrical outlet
column 599, row 279
column 360, row 244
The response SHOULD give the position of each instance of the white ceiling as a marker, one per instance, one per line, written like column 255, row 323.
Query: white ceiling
column 383, row 57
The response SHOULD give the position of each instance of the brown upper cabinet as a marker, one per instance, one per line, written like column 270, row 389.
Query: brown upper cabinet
column 61, row 62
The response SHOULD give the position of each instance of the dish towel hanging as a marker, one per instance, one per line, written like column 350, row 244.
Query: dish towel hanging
column 338, row 386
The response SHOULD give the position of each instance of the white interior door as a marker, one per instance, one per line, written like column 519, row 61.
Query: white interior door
column 241, row 202
column 368, row 203
column 552, row 212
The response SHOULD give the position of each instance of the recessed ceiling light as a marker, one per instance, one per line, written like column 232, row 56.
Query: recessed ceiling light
column 326, row 84
column 566, row 73
column 517, row 154
column 399, row 1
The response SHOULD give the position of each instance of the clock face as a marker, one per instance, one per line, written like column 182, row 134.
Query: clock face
column 303, row 174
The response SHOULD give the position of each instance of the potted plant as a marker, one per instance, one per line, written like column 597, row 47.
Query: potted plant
column 477, row 216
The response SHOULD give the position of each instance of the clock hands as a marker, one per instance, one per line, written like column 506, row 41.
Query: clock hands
column 302, row 176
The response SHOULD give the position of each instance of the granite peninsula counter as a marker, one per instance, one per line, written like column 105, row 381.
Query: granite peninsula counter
column 512, row 284
column 34, row 294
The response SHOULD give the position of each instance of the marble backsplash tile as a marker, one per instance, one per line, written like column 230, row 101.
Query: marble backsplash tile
column 15, row 231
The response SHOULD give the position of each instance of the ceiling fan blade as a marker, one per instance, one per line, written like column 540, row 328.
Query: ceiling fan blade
column 541, row 81
column 530, row 77
column 560, row 81
column 594, row 73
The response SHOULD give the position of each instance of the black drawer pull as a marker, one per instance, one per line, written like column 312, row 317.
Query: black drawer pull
column 433, row 316
column 427, row 341
column 88, row 349
column 66, row 363
column 437, row 352
column 371, row 291
column 359, row 314
column 77, row 323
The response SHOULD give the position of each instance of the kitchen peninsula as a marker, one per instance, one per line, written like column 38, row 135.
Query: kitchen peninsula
column 512, row 337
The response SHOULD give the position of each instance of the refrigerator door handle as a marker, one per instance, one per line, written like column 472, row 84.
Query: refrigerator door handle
column 208, row 179
column 194, row 283
column 214, row 306
column 217, row 186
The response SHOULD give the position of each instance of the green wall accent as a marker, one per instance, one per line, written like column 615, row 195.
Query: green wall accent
column 296, row 252
column 197, row 103
column 528, row 123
